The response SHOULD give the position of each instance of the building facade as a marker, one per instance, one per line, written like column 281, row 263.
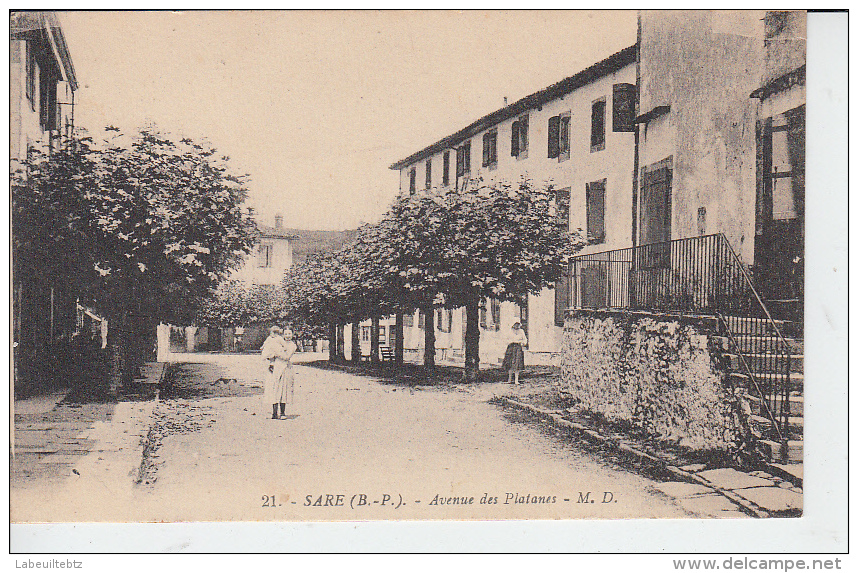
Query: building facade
column 42, row 85
column 576, row 135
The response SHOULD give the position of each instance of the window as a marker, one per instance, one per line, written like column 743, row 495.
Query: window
column 412, row 185
column 496, row 317
column 558, row 136
column 596, row 211
column 365, row 333
column 623, row 109
column 428, row 174
column 701, row 221
column 48, row 101
column 491, row 308
column 446, row 174
column 655, row 202
column 266, row 256
column 408, row 320
column 490, row 149
column 444, row 319
column 463, row 159
column 382, row 336
column 597, row 126
column 655, row 211
column 421, row 320
column 32, row 73
column 519, row 137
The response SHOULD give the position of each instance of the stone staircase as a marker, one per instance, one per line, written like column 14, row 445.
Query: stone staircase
column 759, row 354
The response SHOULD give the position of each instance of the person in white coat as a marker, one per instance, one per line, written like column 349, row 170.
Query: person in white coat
column 277, row 350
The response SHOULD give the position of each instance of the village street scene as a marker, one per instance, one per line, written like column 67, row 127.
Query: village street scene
column 274, row 266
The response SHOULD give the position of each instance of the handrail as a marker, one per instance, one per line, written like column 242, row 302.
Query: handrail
column 750, row 375
column 754, row 290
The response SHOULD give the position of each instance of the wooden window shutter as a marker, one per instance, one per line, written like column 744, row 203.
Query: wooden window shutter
column 515, row 139
column 496, row 318
column 446, row 172
column 412, row 184
column 596, row 210
column 467, row 153
column 624, row 108
column 564, row 136
column 597, row 125
column 460, row 161
column 522, row 132
column 554, row 137
column 428, row 173
column 486, row 149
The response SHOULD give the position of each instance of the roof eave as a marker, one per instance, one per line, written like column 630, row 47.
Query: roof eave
column 598, row 70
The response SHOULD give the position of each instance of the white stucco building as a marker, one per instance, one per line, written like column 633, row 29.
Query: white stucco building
column 577, row 134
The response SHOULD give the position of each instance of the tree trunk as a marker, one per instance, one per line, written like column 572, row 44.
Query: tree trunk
column 399, row 353
column 341, row 343
column 117, row 344
column 376, row 327
column 472, row 339
column 332, row 342
column 356, row 342
column 428, row 337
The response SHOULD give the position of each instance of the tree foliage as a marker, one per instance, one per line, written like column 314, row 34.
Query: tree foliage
column 143, row 224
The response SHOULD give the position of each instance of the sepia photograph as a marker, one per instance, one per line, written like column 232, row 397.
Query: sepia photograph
column 327, row 266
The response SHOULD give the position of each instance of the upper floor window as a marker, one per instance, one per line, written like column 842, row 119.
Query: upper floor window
column 463, row 159
column 428, row 174
column 558, row 136
column 597, row 125
column 32, row 74
column 412, row 181
column 266, row 256
column 490, row 148
column 519, row 137
column 445, row 177
column 624, row 107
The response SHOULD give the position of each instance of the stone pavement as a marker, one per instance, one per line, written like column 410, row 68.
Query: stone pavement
column 57, row 439
column 721, row 492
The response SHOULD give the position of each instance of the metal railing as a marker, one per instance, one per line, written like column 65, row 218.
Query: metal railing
column 697, row 276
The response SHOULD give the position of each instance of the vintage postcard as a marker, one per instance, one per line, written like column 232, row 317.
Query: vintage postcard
column 303, row 266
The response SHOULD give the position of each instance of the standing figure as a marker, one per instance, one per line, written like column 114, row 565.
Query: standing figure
column 513, row 360
column 278, row 349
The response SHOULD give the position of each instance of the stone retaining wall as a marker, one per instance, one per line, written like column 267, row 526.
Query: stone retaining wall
column 660, row 373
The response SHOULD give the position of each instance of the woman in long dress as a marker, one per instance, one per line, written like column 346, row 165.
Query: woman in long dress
column 278, row 349
column 513, row 360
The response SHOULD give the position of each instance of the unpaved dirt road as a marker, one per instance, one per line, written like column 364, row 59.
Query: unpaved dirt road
column 352, row 448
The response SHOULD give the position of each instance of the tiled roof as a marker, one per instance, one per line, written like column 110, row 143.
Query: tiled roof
column 607, row 66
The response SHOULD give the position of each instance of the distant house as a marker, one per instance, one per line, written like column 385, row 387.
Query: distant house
column 264, row 267
column 42, row 85
column 271, row 257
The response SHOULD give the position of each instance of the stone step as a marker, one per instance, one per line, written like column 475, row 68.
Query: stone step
column 767, row 379
column 775, row 452
column 796, row 405
column 741, row 326
column 765, row 427
column 766, row 362
column 761, row 344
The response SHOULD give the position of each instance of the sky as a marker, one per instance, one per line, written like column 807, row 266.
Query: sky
column 316, row 105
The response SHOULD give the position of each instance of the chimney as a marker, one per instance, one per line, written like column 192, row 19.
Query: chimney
column 504, row 101
column 278, row 222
